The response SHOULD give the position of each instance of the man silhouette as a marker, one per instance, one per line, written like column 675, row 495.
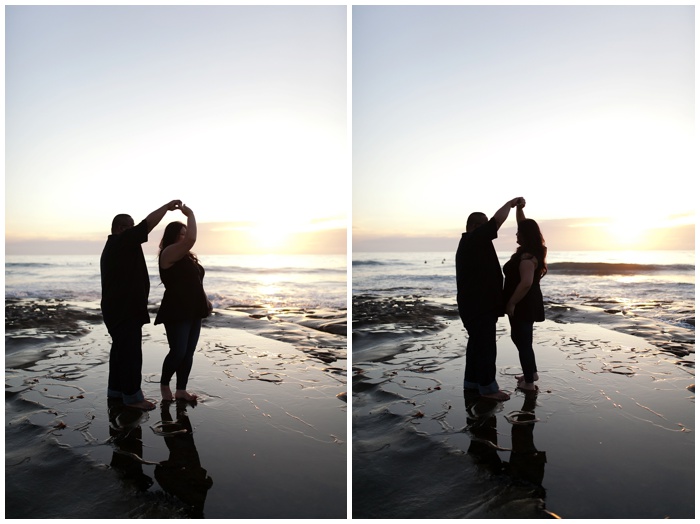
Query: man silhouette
column 125, row 287
column 479, row 298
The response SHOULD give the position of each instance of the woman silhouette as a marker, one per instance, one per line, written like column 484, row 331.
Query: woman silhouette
column 522, row 294
column 184, row 303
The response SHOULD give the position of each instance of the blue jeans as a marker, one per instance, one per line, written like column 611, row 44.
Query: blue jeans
column 182, row 339
column 480, row 371
column 521, row 334
column 125, row 361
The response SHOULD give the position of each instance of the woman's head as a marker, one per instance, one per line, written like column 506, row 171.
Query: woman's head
column 174, row 232
column 530, row 240
column 529, row 233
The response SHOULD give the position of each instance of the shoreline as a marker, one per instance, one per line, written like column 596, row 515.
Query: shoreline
column 38, row 321
column 407, row 316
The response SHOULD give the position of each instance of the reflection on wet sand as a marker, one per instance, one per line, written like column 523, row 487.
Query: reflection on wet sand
column 526, row 462
column 526, row 465
column 180, row 475
column 629, row 397
column 126, row 436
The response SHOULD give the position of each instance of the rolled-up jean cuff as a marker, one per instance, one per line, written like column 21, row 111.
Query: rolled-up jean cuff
column 470, row 385
column 132, row 399
column 113, row 393
column 490, row 389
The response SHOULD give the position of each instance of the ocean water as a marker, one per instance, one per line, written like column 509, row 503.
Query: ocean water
column 659, row 285
column 300, row 281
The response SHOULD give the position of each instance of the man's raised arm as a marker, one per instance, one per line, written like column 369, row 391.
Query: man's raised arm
column 154, row 218
column 500, row 216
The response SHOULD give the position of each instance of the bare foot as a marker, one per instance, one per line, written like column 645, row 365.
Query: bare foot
column 499, row 395
column 144, row 405
column 166, row 393
column 527, row 386
column 521, row 378
column 181, row 394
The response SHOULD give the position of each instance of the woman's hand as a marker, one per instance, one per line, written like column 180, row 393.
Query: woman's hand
column 186, row 210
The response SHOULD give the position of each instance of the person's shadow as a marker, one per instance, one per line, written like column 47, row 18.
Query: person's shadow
column 182, row 474
column 526, row 463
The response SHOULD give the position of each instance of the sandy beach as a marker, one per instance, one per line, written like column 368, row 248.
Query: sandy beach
column 267, row 438
column 609, row 434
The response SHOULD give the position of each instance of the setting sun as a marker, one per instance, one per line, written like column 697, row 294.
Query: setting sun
column 275, row 236
column 629, row 232
column 270, row 236
column 635, row 231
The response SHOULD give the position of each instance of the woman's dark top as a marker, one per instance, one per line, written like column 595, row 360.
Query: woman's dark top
column 531, row 307
column 184, row 297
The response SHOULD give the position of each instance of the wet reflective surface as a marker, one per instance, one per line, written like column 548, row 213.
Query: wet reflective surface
column 266, row 438
column 609, row 434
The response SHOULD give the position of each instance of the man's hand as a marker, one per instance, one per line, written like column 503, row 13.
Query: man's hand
column 156, row 216
column 503, row 212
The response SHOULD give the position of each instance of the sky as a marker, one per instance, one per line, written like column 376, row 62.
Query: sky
column 239, row 111
column 585, row 111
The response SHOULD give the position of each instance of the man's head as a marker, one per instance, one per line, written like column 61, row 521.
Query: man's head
column 475, row 220
column 121, row 223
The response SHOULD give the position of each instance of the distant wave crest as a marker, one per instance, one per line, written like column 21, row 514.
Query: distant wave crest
column 368, row 263
column 26, row 264
column 379, row 263
column 605, row 268
column 274, row 271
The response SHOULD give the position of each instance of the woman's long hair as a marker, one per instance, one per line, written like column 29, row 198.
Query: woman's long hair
column 532, row 242
column 170, row 236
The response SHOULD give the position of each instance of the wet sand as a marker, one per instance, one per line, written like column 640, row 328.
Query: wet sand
column 267, row 438
column 609, row 434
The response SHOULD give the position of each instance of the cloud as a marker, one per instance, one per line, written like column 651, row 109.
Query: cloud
column 212, row 239
column 571, row 234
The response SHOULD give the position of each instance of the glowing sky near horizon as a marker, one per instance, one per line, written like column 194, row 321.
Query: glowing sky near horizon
column 586, row 111
column 240, row 111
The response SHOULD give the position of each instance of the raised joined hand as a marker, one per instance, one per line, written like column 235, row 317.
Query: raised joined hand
column 186, row 210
